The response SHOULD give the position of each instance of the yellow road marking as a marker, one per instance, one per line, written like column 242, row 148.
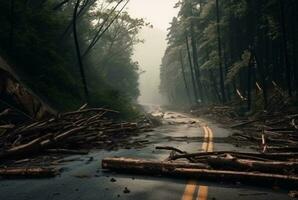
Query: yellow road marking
column 203, row 190
column 210, row 148
column 205, row 143
column 189, row 190
column 202, row 193
column 191, row 185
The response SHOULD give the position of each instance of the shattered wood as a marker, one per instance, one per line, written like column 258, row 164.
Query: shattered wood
column 70, row 133
column 270, row 169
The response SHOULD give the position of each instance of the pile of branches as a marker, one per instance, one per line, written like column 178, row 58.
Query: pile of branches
column 221, row 113
column 271, row 133
column 270, row 169
column 74, row 132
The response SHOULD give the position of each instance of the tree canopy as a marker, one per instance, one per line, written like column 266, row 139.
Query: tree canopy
column 234, row 50
column 37, row 40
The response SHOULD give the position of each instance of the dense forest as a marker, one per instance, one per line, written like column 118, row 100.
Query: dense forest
column 222, row 51
column 73, row 52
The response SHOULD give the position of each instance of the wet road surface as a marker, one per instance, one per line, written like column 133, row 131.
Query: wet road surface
column 84, row 179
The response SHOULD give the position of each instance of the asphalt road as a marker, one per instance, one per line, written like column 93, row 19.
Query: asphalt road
column 84, row 179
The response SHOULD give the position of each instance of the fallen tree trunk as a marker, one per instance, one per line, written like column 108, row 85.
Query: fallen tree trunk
column 284, row 149
column 232, row 163
column 33, row 146
column 177, row 170
column 30, row 172
column 147, row 166
column 255, row 178
column 261, row 156
column 38, row 144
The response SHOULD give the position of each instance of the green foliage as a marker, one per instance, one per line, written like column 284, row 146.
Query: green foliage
column 249, row 30
column 37, row 41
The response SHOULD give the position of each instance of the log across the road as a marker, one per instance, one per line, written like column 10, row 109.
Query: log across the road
column 232, row 163
column 198, row 171
column 147, row 166
column 260, row 156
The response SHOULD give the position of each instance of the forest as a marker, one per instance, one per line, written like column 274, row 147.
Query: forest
column 232, row 51
column 73, row 52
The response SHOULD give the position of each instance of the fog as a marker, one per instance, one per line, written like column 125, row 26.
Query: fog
column 159, row 13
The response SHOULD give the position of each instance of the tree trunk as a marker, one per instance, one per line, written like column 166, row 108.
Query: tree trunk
column 225, row 163
column 151, row 166
column 184, row 77
column 285, row 47
column 294, row 19
column 249, row 82
column 12, row 24
column 77, row 46
column 193, row 80
column 194, row 171
column 195, row 62
column 213, row 80
column 221, row 75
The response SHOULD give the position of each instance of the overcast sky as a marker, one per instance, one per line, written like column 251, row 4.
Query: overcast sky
column 159, row 13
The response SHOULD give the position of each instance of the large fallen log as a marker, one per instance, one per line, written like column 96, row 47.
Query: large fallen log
column 232, row 163
column 257, row 156
column 152, row 167
column 194, row 171
column 30, row 172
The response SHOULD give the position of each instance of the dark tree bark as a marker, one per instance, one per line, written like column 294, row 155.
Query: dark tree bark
column 184, row 77
column 77, row 46
column 263, row 80
column 285, row 47
column 249, row 80
column 195, row 62
column 192, row 71
column 222, row 84
column 294, row 18
column 261, row 52
column 213, row 81
column 12, row 24
column 226, row 70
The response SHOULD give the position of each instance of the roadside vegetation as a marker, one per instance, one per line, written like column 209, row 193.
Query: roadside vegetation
column 73, row 52
column 239, row 53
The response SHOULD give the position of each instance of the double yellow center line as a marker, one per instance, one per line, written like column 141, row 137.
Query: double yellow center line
column 192, row 185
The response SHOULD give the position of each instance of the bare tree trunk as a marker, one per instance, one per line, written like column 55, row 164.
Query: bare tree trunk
column 294, row 46
column 222, row 84
column 213, row 80
column 195, row 62
column 184, row 78
column 285, row 47
column 77, row 46
column 11, row 31
column 192, row 71
column 249, row 80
